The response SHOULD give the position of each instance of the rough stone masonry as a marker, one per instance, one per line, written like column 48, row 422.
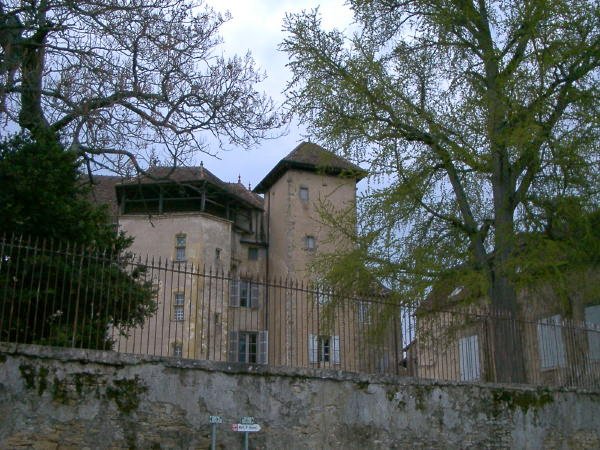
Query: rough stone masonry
column 75, row 399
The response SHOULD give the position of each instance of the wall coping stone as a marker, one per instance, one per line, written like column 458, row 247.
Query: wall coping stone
column 107, row 357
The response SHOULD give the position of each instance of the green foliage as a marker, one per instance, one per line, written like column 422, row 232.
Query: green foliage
column 478, row 120
column 43, row 195
column 70, row 277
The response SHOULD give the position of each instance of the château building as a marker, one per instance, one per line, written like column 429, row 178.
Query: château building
column 241, row 289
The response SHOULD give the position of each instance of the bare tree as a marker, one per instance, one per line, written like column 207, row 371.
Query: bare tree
column 116, row 79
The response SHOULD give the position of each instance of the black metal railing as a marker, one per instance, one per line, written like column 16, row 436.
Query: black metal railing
column 59, row 294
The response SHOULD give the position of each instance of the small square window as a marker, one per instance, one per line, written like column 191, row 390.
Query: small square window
column 177, row 350
column 303, row 193
column 253, row 254
column 309, row 243
column 179, row 313
column 179, row 299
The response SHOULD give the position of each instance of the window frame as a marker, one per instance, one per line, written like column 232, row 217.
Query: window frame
column 324, row 349
column 179, row 299
column 237, row 337
column 364, row 312
column 177, row 350
column 180, row 247
column 179, row 313
column 310, row 243
column 304, row 198
column 253, row 253
column 244, row 293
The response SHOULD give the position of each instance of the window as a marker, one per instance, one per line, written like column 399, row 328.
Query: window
column 179, row 298
column 177, row 350
column 309, row 243
column 180, row 242
column 217, row 253
column 323, row 293
column 253, row 254
column 364, row 312
column 244, row 293
column 551, row 344
column 178, row 306
column 323, row 349
column 303, row 194
column 248, row 347
column 179, row 314
column 468, row 353
column 592, row 318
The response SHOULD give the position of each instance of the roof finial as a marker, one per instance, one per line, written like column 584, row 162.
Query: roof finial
column 202, row 168
column 249, row 187
column 239, row 179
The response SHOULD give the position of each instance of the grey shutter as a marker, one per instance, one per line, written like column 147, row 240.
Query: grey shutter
column 335, row 349
column 592, row 318
column 233, row 346
column 313, row 348
column 468, row 350
column 234, row 293
column 263, row 347
column 254, row 295
column 551, row 343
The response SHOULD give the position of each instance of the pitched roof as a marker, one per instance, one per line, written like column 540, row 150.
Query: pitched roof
column 311, row 157
column 160, row 174
column 104, row 188
column 241, row 191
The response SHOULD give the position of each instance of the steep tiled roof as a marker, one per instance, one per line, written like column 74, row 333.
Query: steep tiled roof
column 103, row 192
column 240, row 190
column 312, row 158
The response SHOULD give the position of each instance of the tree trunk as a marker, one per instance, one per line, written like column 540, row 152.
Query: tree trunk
column 507, row 342
column 31, row 116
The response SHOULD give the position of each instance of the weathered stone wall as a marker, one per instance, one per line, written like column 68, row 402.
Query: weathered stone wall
column 57, row 399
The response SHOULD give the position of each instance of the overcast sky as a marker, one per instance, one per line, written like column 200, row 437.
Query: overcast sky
column 256, row 26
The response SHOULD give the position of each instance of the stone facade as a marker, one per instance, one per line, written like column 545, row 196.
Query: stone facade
column 74, row 399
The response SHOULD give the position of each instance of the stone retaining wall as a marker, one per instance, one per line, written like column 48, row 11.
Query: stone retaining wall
column 62, row 398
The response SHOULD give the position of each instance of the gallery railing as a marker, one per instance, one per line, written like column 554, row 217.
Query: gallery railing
column 58, row 294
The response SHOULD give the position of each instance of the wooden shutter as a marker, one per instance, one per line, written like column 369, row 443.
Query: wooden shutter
column 335, row 349
column 313, row 348
column 263, row 347
column 254, row 295
column 468, row 350
column 234, row 293
column 551, row 343
column 233, row 346
column 592, row 318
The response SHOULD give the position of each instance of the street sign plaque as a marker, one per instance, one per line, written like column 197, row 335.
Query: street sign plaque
column 245, row 427
column 215, row 419
column 247, row 420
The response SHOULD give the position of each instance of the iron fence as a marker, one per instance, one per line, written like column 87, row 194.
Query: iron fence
column 55, row 293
